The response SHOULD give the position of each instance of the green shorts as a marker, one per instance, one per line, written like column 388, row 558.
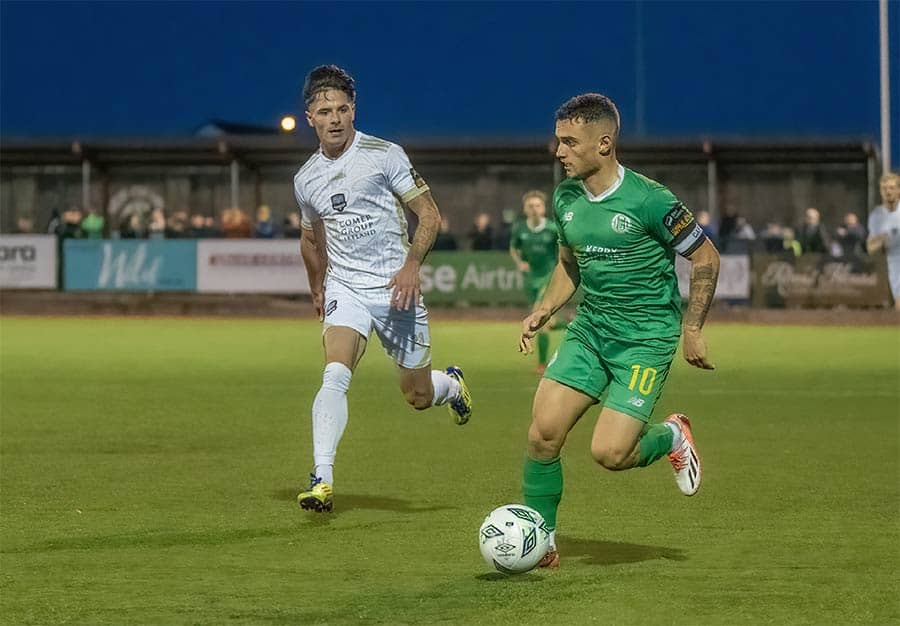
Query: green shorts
column 634, row 371
column 535, row 286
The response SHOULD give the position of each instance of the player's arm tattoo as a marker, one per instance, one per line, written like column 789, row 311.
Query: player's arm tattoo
column 429, row 223
column 704, row 276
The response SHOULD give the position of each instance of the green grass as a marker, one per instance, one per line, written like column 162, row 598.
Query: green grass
column 149, row 469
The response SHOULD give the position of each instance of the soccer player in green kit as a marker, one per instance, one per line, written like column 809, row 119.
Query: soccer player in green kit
column 533, row 246
column 618, row 236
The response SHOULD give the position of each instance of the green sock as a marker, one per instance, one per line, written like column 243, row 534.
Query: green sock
column 543, row 347
column 655, row 444
column 542, row 485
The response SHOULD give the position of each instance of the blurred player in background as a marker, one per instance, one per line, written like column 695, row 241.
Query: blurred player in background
column 618, row 236
column 884, row 231
column 533, row 246
column 363, row 271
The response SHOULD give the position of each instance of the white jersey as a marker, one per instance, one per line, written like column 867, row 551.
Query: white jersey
column 884, row 222
column 357, row 197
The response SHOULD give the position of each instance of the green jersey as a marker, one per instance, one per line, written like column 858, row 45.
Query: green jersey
column 625, row 242
column 537, row 247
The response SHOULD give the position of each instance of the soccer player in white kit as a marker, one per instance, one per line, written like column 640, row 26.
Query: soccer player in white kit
column 363, row 270
column 884, row 231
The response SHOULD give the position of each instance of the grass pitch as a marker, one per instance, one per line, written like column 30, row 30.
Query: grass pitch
column 149, row 469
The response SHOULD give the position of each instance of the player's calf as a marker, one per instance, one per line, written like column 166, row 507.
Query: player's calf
column 614, row 458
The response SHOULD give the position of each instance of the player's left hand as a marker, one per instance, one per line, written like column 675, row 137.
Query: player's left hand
column 530, row 326
column 405, row 286
column 695, row 350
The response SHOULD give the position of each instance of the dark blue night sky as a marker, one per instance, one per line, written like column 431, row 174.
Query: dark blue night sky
column 446, row 69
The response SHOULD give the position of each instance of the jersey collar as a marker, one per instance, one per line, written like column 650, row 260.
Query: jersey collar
column 620, row 176
column 356, row 137
column 541, row 225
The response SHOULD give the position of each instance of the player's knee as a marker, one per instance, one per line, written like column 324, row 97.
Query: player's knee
column 611, row 457
column 543, row 442
column 336, row 377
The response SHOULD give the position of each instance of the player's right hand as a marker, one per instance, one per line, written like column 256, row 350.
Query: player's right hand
column 318, row 300
column 530, row 326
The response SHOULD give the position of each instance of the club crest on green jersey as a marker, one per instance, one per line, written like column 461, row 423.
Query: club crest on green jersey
column 621, row 223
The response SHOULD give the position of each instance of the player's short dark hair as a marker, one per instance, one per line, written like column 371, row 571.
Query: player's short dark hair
column 328, row 77
column 588, row 108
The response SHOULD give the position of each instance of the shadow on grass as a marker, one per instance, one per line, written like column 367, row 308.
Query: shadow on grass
column 345, row 502
column 494, row 577
column 599, row 552
column 595, row 552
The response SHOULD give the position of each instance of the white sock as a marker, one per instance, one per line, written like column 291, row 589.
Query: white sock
column 446, row 387
column 325, row 471
column 329, row 417
column 553, row 539
column 677, row 436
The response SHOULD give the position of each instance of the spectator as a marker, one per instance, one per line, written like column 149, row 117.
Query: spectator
column 773, row 238
column 445, row 239
column 177, row 225
column 54, row 223
column 812, row 234
column 197, row 228
column 851, row 236
column 504, row 235
column 705, row 222
column 265, row 226
column 727, row 224
column 740, row 237
column 235, row 224
column 70, row 227
column 291, row 228
column 93, row 224
column 790, row 244
column 743, row 230
column 24, row 225
column 157, row 227
column 481, row 235
column 133, row 227
column 212, row 228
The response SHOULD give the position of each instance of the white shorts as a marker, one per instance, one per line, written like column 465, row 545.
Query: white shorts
column 403, row 334
column 893, row 264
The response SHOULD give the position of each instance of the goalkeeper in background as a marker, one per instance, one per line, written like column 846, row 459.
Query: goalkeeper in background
column 533, row 246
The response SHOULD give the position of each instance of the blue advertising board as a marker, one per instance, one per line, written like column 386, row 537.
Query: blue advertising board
column 130, row 265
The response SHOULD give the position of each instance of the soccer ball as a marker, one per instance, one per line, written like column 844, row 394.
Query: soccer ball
column 513, row 538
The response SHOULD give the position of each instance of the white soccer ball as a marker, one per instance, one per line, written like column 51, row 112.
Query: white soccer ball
column 513, row 538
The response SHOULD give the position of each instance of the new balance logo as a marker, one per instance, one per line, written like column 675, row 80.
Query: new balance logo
column 638, row 402
column 567, row 216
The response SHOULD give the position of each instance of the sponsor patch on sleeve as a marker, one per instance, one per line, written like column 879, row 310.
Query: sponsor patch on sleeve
column 686, row 233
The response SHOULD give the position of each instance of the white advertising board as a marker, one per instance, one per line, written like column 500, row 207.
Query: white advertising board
column 734, row 277
column 250, row 266
column 28, row 261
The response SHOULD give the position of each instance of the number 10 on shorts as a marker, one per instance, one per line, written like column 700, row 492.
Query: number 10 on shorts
column 645, row 386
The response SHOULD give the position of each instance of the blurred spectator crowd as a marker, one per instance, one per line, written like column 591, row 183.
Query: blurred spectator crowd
column 732, row 234
column 76, row 223
column 735, row 235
